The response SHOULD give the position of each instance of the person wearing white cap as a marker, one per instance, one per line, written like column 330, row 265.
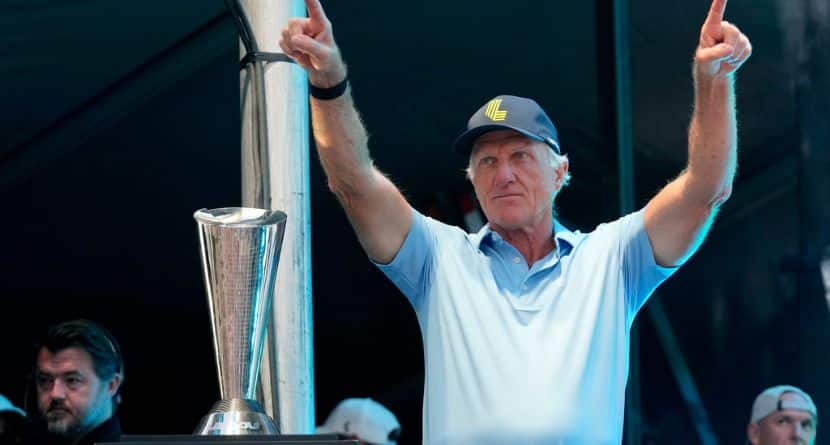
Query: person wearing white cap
column 363, row 419
column 783, row 415
column 11, row 419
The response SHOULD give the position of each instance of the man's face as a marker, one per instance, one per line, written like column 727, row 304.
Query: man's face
column 71, row 397
column 513, row 179
column 785, row 427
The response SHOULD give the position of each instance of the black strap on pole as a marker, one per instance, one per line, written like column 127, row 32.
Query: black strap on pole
column 254, row 57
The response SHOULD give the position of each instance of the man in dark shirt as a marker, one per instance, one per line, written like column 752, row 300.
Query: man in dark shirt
column 78, row 375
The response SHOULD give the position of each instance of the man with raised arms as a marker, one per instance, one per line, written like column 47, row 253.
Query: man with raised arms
column 525, row 324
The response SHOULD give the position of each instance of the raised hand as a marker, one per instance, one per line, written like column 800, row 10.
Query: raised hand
column 723, row 48
column 310, row 42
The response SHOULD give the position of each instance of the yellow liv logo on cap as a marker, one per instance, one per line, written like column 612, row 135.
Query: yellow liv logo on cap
column 493, row 111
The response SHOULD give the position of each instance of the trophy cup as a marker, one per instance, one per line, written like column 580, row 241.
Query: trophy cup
column 240, row 249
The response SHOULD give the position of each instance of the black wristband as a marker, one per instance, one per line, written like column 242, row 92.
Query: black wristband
column 330, row 92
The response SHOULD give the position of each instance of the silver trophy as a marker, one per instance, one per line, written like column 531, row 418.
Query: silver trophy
column 240, row 250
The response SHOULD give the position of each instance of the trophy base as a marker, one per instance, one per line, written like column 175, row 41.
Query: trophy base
column 236, row 417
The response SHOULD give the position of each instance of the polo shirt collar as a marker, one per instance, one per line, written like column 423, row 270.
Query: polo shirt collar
column 565, row 239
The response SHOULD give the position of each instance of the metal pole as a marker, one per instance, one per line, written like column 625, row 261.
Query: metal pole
column 622, row 101
column 275, row 172
column 620, row 24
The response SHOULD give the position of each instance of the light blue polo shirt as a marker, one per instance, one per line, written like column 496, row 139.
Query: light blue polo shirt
column 525, row 354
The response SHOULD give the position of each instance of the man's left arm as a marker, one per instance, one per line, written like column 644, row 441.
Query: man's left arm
column 679, row 216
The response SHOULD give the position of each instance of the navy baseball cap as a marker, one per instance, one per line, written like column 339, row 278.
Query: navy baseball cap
column 509, row 113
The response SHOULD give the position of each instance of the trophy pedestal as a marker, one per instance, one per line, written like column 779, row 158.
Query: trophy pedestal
column 236, row 417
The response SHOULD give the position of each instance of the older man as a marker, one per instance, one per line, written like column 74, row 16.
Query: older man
column 525, row 323
column 782, row 415
column 78, row 376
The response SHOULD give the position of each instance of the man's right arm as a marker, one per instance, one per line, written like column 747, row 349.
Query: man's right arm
column 378, row 212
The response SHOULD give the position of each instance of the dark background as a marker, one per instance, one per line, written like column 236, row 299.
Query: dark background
column 120, row 119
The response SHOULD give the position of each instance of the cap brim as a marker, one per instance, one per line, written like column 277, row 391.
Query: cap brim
column 15, row 410
column 463, row 145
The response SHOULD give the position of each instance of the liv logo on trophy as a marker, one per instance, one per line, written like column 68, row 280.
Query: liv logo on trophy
column 240, row 250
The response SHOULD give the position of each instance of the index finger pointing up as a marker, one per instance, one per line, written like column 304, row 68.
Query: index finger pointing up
column 715, row 12
column 315, row 10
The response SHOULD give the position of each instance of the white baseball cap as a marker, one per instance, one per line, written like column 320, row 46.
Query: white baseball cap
column 769, row 401
column 6, row 406
column 368, row 420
